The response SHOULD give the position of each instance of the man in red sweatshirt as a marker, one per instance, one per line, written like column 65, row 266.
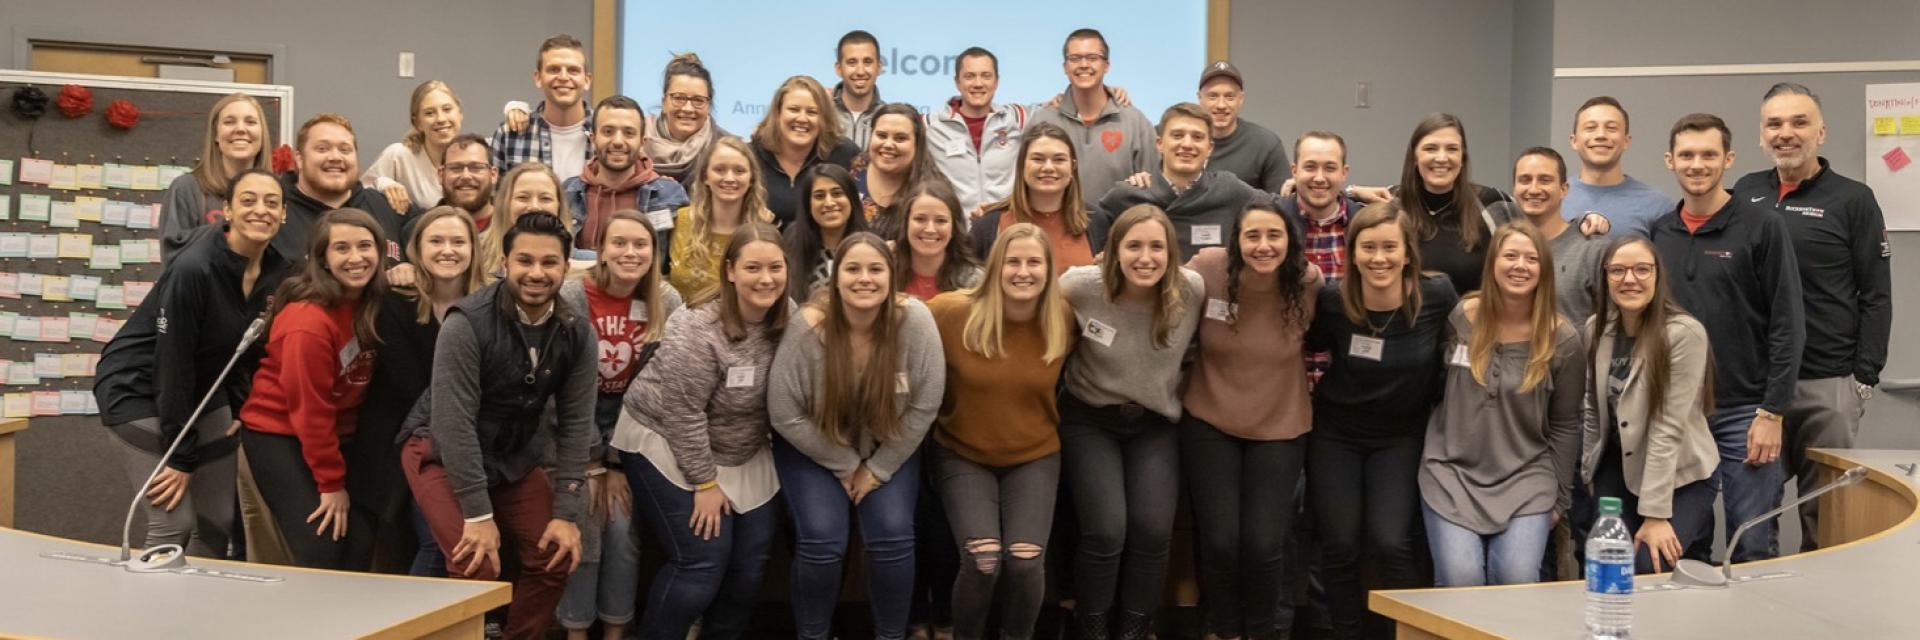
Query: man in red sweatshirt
column 620, row 177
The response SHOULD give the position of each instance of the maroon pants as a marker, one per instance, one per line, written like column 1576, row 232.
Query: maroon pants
column 521, row 510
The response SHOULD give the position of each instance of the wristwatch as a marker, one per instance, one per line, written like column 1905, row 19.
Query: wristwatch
column 1763, row 413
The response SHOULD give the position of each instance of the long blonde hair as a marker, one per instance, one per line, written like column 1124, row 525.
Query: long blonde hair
column 1544, row 317
column 415, row 137
column 986, row 312
column 423, row 285
column 650, row 285
column 211, row 173
column 690, row 248
column 1170, row 297
column 492, row 244
column 851, row 399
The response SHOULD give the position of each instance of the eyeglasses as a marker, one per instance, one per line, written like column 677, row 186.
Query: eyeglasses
column 467, row 167
column 1641, row 272
column 683, row 100
column 1091, row 58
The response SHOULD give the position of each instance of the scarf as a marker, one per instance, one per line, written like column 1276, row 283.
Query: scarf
column 675, row 159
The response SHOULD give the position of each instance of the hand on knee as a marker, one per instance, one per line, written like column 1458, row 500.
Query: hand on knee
column 985, row 553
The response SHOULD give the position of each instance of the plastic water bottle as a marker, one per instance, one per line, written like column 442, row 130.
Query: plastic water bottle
column 1609, row 575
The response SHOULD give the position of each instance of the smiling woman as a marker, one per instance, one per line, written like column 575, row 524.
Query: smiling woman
column 407, row 172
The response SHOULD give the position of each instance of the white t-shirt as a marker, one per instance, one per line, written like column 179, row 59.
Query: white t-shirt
column 569, row 149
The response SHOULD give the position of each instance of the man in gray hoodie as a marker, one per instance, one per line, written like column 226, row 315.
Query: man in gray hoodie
column 1113, row 141
column 1202, row 204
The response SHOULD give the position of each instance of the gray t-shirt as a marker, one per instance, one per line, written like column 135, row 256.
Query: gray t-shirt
column 1116, row 361
column 1576, row 272
column 1631, row 205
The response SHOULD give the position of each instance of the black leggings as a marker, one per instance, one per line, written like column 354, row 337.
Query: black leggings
column 1364, row 495
column 1241, row 492
column 1123, row 468
column 286, row 484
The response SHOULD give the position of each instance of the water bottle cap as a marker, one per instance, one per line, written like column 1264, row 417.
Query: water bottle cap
column 1609, row 506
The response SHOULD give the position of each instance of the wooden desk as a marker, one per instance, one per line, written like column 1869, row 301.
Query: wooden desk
column 7, row 429
column 1862, row 587
column 65, row 599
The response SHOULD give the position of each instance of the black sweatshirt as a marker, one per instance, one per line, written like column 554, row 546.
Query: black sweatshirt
column 1840, row 241
column 1445, row 252
column 164, row 359
column 400, row 379
column 303, row 211
column 1391, row 397
column 1737, row 275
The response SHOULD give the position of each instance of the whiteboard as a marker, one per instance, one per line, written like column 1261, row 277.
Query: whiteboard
column 1893, row 152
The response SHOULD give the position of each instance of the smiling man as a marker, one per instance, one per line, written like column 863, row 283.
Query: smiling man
column 1539, row 188
column 326, row 177
column 856, row 100
column 467, row 176
column 1600, row 138
column 1840, row 238
column 1113, row 141
column 1201, row 203
column 975, row 140
column 1240, row 147
column 558, row 136
column 621, row 176
column 1731, row 264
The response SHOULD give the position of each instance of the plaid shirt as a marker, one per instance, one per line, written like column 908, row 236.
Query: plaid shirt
column 1325, row 245
column 535, row 142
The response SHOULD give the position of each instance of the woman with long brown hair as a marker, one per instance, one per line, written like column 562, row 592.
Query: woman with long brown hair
column 931, row 245
column 1048, row 195
column 1497, row 470
column 855, row 385
column 300, row 417
column 896, row 160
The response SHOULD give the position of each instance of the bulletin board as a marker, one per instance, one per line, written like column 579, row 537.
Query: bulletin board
column 79, row 249
column 1893, row 152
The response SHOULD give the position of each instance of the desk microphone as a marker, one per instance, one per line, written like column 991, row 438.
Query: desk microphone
column 1699, row 574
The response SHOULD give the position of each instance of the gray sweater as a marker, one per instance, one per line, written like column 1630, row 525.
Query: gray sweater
column 1125, row 366
column 684, row 394
column 797, row 376
column 1119, row 143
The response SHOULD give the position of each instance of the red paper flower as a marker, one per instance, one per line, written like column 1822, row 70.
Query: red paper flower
column 75, row 101
column 122, row 114
column 282, row 159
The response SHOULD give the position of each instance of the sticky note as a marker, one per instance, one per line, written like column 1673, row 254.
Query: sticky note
column 32, row 283
column 64, row 177
column 89, row 208
column 134, row 252
column 114, row 213
column 43, row 246
column 46, row 365
column 93, row 404
column 153, row 251
column 36, row 170
column 55, row 329
column 146, row 177
column 105, row 256
column 6, row 206
column 104, row 328
column 118, row 176
column 65, row 215
column 76, row 245
column 19, row 405
column 34, row 206
column 80, row 325
column 168, row 173
column 1885, row 126
column 13, row 245
column 21, row 373
column 1910, row 125
column 83, row 287
column 1896, row 160
column 6, row 172
column 73, row 403
column 56, row 289
column 46, row 403
column 110, row 297
column 143, row 216
column 90, row 176
column 74, row 365
column 10, row 285
column 26, row 328
column 7, row 319
column 135, row 291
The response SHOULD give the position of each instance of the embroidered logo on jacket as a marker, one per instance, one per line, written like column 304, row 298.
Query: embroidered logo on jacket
column 1111, row 139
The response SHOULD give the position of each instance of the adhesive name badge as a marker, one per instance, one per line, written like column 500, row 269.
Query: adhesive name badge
column 1459, row 356
column 1100, row 332
column 901, row 385
column 662, row 219
column 1206, row 234
column 1218, row 309
column 1367, row 347
column 636, row 310
column 741, row 376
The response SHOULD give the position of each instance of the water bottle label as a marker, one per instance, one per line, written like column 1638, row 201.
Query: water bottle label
column 1609, row 578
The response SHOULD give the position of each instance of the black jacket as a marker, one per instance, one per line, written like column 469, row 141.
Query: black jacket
column 164, row 359
column 1737, row 275
column 303, row 211
column 785, row 196
column 1205, row 211
column 1840, row 242
column 399, row 380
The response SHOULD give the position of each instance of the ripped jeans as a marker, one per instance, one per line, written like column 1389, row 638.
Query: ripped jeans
column 1001, row 517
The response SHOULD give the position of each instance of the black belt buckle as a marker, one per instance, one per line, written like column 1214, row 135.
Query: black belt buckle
column 1130, row 410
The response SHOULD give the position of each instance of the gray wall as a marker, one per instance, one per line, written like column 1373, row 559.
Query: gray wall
column 340, row 55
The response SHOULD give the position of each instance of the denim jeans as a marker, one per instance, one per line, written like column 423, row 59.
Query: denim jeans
column 1745, row 490
column 821, row 514
column 1122, row 465
column 718, row 579
column 1462, row 558
column 604, row 585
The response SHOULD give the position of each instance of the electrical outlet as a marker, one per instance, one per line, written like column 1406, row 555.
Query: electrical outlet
column 1363, row 95
column 406, row 64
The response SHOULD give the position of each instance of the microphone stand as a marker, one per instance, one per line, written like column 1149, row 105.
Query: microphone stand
column 1694, row 573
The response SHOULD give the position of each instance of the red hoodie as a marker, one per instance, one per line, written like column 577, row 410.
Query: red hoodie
column 310, row 385
column 602, row 201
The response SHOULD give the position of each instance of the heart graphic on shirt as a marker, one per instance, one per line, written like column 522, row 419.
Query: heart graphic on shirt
column 1111, row 140
column 614, row 356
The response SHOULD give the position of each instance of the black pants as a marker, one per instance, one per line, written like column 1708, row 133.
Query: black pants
column 287, row 485
column 1364, row 496
column 1001, row 519
column 1242, row 499
column 936, row 561
column 1692, row 510
column 1123, row 468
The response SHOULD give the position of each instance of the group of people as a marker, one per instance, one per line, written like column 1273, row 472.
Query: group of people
column 951, row 327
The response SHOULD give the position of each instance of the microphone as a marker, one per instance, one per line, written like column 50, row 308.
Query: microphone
column 172, row 556
column 1694, row 573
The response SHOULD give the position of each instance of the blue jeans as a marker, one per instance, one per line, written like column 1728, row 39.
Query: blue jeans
column 1745, row 490
column 718, row 579
column 427, row 561
column 1462, row 558
column 821, row 513
column 604, row 585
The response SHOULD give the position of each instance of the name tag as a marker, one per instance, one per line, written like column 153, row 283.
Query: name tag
column 1100, row 332
column 636, row 311
column 1206, row 234
column 738, row 377
column 1218, row 309
column 1459, row 357
column 1367, row 347
column 662, row 219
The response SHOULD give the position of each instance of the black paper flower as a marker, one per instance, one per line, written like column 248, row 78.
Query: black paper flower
column 29, row 103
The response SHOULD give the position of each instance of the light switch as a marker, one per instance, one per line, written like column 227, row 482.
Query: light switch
column 406, row 64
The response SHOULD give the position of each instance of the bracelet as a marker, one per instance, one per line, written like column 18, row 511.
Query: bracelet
column 1763, row 413
column 706, row 485
column 596, row 472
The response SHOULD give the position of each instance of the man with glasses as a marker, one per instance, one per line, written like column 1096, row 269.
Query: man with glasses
column 1115, row 141
column 1240, row 147
column 467, row 176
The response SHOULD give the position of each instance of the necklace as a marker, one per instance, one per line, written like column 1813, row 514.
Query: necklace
column 1382, row 327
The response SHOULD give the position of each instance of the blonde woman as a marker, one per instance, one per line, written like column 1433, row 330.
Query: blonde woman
column 528, row 187
column 237, row 140
column 408, row 171
column 799, row 131
column 726, row 194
